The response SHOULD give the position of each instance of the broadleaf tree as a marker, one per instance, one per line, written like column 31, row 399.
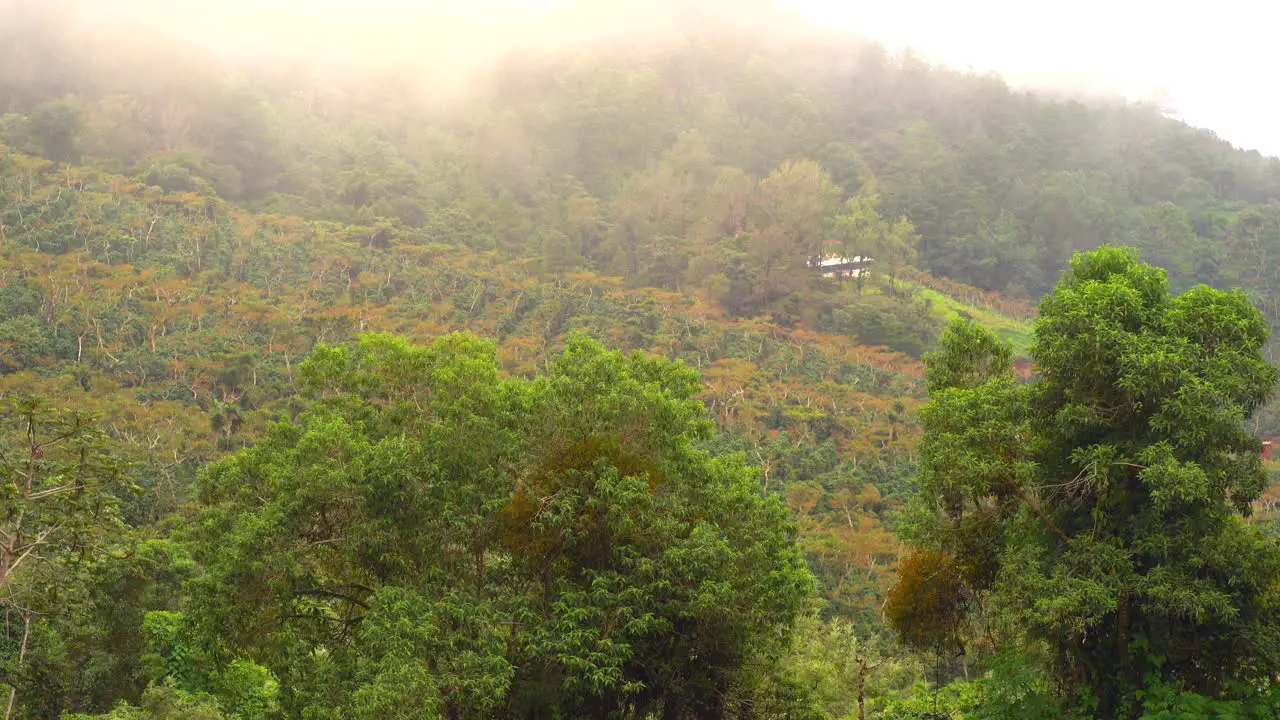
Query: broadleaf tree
column 429, row 540
column 1096, row 510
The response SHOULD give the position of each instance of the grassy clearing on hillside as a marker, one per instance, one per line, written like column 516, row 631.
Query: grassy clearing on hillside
column 1016, row 332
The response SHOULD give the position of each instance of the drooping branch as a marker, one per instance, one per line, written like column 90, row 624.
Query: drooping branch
column 1040, row 513
column 317, row 592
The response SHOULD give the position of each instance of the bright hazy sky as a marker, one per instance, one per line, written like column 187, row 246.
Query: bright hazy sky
column 1211, row 64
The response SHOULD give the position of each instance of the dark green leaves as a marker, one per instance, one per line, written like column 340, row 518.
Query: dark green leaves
column 1106, row 491
column 429, row 538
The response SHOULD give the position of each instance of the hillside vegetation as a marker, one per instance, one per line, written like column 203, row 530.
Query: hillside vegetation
column 228, row 294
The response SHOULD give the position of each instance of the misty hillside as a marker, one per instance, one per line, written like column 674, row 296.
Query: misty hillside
column 233, row 266
column 1001, row 186
column 707, row 161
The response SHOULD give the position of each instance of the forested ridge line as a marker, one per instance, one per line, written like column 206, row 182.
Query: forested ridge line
column 586, row 148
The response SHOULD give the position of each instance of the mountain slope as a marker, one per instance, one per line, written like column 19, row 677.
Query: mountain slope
column 181, row 320
column 179, row 230
column 662, row 195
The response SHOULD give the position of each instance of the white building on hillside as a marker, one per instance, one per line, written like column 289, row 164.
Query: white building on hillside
column 837, row 266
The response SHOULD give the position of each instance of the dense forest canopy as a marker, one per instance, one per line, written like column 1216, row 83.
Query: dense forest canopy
column 667, row 468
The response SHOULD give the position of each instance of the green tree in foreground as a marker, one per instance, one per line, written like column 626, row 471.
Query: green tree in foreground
column 58, row 511
column 1096, row 511
column 428, row 540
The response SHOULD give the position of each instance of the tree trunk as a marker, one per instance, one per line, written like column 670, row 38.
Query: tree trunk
column 862, row 688
column 1123, row 615
column 22, row 654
